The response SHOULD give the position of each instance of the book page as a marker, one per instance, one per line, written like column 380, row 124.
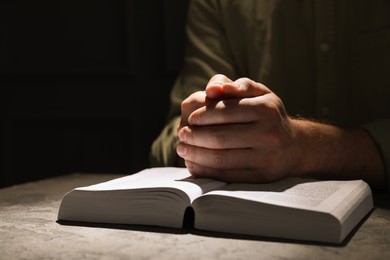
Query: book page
column 297, row 208
column 164, row 177
column 289, row 192
column 154, row 196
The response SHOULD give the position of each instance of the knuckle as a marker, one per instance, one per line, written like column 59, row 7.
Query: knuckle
column 190, row 99
column 184, row 104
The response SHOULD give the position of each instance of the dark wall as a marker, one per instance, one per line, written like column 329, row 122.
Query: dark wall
column 84, row 85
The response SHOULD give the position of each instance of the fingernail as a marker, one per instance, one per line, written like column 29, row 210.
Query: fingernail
column 181, row 149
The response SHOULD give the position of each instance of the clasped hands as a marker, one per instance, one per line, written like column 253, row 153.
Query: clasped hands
column 237, row 131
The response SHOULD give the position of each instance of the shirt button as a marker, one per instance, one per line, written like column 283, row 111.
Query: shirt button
column 324, row 47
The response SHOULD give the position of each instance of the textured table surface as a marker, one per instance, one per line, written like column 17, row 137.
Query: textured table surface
column 29, row 230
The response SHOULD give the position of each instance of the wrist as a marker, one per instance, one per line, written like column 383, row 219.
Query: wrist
column 308, row 139
column 328, row 151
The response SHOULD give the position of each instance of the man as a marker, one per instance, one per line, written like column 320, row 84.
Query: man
column 279, row 88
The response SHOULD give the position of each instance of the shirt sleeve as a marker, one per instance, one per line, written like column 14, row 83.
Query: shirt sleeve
column 163, row 149
column 207, row 53
column 380, row 133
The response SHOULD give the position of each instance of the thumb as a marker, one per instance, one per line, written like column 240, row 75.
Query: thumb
column 244, row 88
column 214, row 88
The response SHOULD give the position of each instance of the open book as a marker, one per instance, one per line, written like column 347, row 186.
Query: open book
column 292, row 208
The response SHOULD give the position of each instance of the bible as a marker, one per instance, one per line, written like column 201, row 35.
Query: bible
column 290, row 208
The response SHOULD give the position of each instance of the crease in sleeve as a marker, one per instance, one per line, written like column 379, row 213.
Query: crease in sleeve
column 163, row 149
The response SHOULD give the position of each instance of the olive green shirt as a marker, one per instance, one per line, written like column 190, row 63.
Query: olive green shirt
column 326, row 59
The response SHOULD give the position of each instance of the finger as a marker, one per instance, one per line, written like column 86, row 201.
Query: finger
column 214, row 88
column 222, row 112
column 189, row 105
column 217, row 158
column 231, row 111
column 244, row 87
column 231, row 136
column 229, row 175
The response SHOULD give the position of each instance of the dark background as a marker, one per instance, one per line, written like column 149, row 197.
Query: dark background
column 84, row 85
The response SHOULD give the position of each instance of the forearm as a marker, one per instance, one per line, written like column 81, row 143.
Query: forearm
column 332, row 152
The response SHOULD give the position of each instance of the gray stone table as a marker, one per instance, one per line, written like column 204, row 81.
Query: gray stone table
column 29, row 230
